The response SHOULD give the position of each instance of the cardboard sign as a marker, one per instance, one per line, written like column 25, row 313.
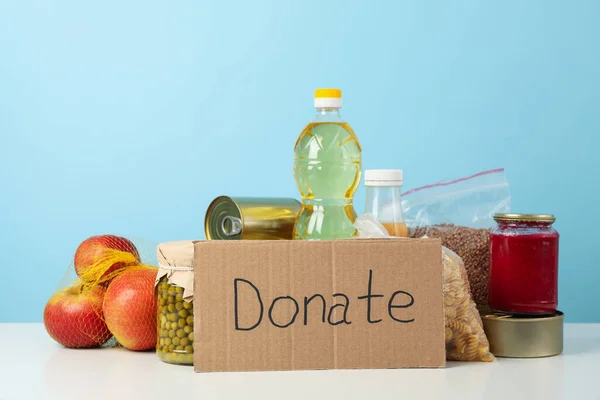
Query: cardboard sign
column 291, row 305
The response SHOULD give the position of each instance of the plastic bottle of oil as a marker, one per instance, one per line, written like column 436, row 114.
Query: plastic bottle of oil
column 327, row 169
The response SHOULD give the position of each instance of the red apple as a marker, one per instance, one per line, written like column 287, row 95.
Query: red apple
column 75, row 319
column 92, row 250
column 130, row 308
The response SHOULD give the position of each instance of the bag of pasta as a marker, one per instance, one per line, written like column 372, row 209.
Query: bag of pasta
column 107, row 297
column 465, row 338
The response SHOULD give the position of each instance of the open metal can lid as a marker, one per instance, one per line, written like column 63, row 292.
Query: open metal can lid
column 524, row 337
column 223, row 220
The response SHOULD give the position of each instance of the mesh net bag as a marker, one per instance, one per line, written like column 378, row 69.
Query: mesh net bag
column 107, row 296
column 465, row 338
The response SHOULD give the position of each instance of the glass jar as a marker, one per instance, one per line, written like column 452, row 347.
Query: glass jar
column 175, row 325
column 383, row 199
column 524, row 264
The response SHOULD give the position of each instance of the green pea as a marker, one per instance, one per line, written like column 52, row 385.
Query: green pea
column 173, row 317
column 171, row 291
column 171, row 333
column 187, row 329
column 189, row 349
column 168, row 341
column 164, row 309
column 179, row 289
column 179, row 348
column 179, row 306
column 180, row 333
column 171, row 348
column 176, row 341
column 171, row 307
column 163, row 319
column 181, row 322
column 187, row 306
column 173, row 325
column 161, row 342
column 162, row 302
column 178, row 297
column 185, row 341
column 165, row 349
column 171, row 300
column 183, row 313
column 164, row 333
column 190, row 320
column 191, row 336
column 164, row 285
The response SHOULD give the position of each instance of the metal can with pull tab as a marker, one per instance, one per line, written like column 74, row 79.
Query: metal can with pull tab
column 251, row 218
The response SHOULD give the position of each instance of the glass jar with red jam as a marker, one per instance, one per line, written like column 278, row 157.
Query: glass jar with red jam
column 524, row 264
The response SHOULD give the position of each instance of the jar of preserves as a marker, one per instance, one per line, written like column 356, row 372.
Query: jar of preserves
column 175, row 325
column 524, row 264
column 175, row 321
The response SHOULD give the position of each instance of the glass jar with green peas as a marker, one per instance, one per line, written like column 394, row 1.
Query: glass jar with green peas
column 175, row 324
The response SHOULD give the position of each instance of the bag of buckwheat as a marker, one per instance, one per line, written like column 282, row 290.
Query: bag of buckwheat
column 461, row 213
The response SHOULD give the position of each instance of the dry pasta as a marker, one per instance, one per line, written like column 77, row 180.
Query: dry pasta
column 465, row 338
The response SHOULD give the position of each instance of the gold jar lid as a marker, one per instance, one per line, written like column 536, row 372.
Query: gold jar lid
column 524, row 337
column 525, row 217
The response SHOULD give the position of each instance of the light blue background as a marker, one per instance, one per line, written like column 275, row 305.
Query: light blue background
column 128, row 117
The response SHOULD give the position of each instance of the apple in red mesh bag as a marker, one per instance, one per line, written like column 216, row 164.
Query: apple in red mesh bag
column 93, row 249
column 74, row 318
column 130, row 308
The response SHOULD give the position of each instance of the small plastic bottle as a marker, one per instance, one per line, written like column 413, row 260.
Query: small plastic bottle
column 384, row 200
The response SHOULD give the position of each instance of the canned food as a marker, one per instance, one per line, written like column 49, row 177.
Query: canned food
column 524, row 337
column 175, row 296
column 524, row 264
column 251, row 218
column 175, row 325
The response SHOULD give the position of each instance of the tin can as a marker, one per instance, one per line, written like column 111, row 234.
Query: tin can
column 251, row 218
column 524, row 337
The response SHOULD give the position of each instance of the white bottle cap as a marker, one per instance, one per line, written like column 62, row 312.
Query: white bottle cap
column 383, row 177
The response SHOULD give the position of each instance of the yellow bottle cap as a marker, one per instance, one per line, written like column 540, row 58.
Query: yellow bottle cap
column 328, row 93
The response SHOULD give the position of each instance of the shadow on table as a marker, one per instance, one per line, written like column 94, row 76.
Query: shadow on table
column 582, row 346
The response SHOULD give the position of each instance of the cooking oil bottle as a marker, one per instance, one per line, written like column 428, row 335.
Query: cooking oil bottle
column 327, row 169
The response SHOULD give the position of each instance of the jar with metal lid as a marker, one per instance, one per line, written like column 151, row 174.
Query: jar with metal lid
column 524, row 264
column 175, row 320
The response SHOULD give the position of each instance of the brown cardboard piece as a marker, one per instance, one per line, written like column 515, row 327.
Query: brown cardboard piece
column 405, row 330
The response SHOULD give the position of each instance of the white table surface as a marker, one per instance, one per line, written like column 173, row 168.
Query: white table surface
column 33, row 366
